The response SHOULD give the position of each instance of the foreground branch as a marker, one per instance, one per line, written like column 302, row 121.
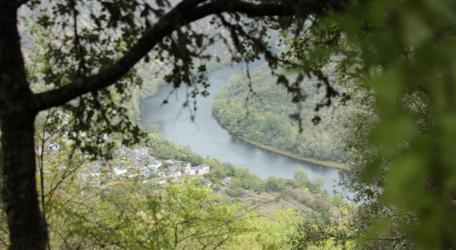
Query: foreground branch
column 183, row 14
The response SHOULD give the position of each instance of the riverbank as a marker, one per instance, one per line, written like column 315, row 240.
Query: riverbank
column 264, row 118
column 326, row 164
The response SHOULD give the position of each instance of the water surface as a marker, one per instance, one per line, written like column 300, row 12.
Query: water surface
column 206, row 137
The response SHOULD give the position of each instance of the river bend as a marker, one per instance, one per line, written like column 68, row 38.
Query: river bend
column 206, row 137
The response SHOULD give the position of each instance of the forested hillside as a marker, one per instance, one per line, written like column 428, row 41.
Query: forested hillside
column 257, row 110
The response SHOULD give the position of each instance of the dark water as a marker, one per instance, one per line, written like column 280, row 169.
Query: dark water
column 206, row 137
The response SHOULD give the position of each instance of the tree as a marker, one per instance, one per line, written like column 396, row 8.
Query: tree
column 402, row 54
column 400, row 51
column 94, row 46
column 300, row 178
column 173, row 216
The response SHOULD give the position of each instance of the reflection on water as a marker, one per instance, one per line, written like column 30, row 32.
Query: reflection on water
column 206, row 137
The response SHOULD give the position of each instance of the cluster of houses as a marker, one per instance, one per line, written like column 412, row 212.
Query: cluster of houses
column 138, row 163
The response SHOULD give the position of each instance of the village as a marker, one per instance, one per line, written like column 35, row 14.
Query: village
column 138, row 163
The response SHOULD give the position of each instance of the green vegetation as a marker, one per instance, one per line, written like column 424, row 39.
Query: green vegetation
column 173, row 216
column 258, row 111
column 241, row 179
column 180, row 214
column 402, row 53
column 393, row 61
column 324, row 163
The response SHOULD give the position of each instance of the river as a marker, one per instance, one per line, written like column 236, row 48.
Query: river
column 206, row 137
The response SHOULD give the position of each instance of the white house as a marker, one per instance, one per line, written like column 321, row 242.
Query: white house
column 120, row 171
column 188, row 170
column 152, row 166
column 153, row 163
column 201, row 169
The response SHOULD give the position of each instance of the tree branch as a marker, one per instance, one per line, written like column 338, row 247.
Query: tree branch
column 183, row 14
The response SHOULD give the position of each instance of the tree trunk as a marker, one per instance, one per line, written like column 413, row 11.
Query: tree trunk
column 26, row 225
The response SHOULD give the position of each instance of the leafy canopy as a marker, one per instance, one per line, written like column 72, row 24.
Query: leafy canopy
column 403, row 53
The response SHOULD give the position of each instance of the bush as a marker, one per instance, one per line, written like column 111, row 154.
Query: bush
column 235, row 192
column 274, row 184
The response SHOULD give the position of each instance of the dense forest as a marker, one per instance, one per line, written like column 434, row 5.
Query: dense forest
column 254, row 108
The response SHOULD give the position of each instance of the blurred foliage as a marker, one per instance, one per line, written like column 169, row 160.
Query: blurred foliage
column 402, row 54
column 132, row 216
column 317, row 231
